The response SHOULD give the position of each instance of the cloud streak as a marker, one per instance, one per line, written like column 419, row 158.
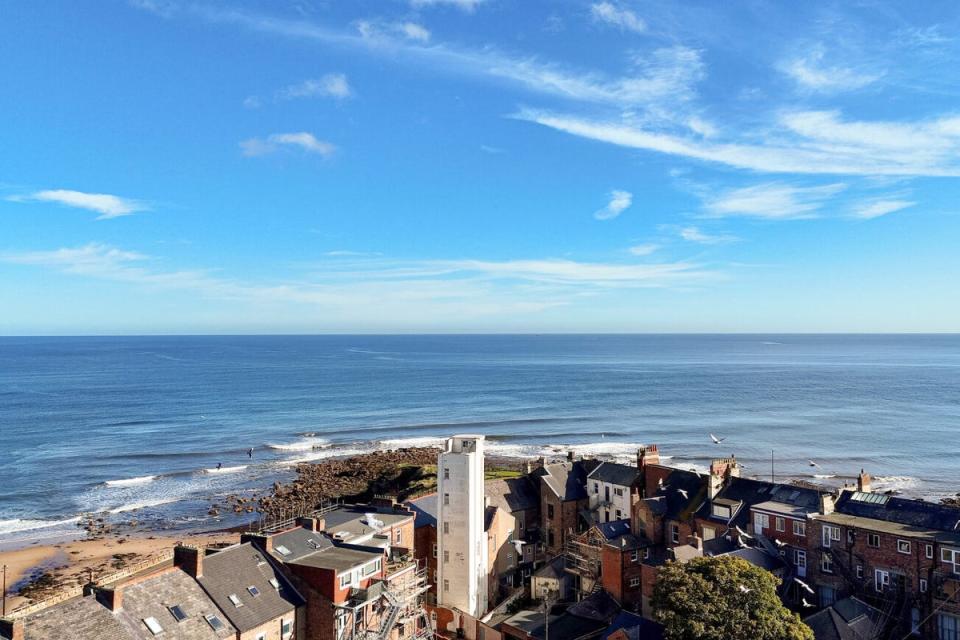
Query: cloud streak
column 611, row 14
column 108, row 206
column 811, row 73
column 332, row 85
column 877, row 208
column 834, row 147
column 307, row 142
column 772, row 201
column 619, row 202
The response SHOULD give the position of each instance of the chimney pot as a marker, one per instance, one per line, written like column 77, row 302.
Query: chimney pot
column 112, row 599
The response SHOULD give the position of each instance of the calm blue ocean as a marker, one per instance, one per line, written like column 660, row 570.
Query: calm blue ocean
column 121, row 424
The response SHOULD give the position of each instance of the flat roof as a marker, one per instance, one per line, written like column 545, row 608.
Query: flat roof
column 893, row 528
column 337, row 559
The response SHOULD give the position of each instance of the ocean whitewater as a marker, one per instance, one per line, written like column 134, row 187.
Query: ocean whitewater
column 155, row 429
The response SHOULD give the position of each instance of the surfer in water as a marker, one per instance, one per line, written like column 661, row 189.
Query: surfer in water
column 250, row 453
column 219, row 466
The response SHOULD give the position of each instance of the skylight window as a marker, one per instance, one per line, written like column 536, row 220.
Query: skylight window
column 178, row 613
column 282, row 550
column 275, row 584
column 253, row 591
column 215, row 623
column 235, row 600
column 153, row 625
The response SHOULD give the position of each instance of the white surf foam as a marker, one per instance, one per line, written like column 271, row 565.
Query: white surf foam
column 130, row 482
column 141, row 504
column 15, row 525
column 824, row 476
column 301, row 445
column 895, row 483
column 226, row 469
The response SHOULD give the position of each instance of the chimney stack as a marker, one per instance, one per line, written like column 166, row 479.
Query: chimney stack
column 827, row 503
column 190, row 559
column 696, row 542
column 12, row 629
column 112, row 599
column 647, row 455
column 721, row 469
column 311, row 523
column 259, row 540
column 864, row 482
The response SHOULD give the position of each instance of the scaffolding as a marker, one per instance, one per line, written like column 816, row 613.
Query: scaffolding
column 582, row 558
column 388, row 604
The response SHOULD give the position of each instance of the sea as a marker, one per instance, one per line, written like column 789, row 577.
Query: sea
column 134, row 428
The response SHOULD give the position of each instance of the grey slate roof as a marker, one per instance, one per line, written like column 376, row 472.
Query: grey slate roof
column 153, row 597
column 916, row 516
column 232, row 570
column 568, row 480
column 339, row 559
column 670, row 503
column 425, row 510
column 513, row 494
column 847, row 619
column 614, row 473
column 635, row 627
column 300, row 542
column 748, row 492
column 84, row 617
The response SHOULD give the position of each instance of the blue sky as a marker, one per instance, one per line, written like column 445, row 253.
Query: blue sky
column 478, row 165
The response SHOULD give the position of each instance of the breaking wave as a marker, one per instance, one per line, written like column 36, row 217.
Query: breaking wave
column 129, row 482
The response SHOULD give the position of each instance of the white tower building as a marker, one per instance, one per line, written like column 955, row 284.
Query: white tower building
column 461, row 539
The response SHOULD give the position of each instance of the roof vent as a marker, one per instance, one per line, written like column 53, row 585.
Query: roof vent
column 341, row 535
column 371, row 519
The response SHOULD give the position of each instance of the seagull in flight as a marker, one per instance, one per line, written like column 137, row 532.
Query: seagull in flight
column 663, row 487
column 716, row 440
column 743, row 533
column 745, row 589
column 683, row 493
column 805, row 603
column 779, row 543
column 813, row 464
column 743, row 545
column 804, row 585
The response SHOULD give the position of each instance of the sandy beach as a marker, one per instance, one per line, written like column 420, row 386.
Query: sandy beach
column 72, row 563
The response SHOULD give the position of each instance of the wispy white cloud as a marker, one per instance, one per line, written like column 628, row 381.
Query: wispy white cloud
column 772, row 200
column 347, row 253
column 811, row 143
column 271, row 144
column 491, row 150
column 620, row 17
column 811, row 72
column 465, row 5
column 415, row 31
column 877, row 208
column 643, row 249
column 332, row 85
column 108, row 206
column 668, row 74
column 619, row 202
column 694, row 234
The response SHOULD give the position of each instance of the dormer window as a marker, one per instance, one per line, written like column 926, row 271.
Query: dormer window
column 721, row 511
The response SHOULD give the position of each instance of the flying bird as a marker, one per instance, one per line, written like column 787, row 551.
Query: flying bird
column 779, row 543
column 663, row 487
column 813, row 464
column 743, row 545
column 745, row 589
column 804, row 585
column 683, row 493
column 716, row 440
column 805, row 603
column 743, row 533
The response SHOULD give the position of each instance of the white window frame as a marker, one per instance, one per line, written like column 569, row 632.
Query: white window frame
column 800, row 558
column 634, row 555
column 799, row 529
column 761, row 521
column 831, row 534
column 870, row 538
column 826, row 563
column 859, row 572
column 634, row 582
column 675, row 533
column 929, row 551
column 881, row 579
column 781, row 524
column 923, row 585
column 903, row 546
column 346, row 580
column 951, row 557
column 153, row 625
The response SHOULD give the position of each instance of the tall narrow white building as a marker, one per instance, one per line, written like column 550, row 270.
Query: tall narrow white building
column 461, row 539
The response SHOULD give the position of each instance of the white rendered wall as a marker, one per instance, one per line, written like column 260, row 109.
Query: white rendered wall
column 461, row 540
column 616, row 502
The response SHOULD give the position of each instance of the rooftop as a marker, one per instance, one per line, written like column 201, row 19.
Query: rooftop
column 352, row 524
column 614, row 473
column 902, row 516
column 156, row 596
column 847, row 619
column 513, row 494
column 85, row 617
column 425, row 511
column 567, row 480
column 242, row 571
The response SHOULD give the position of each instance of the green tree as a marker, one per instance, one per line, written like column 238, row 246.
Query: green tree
column 723, row 599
